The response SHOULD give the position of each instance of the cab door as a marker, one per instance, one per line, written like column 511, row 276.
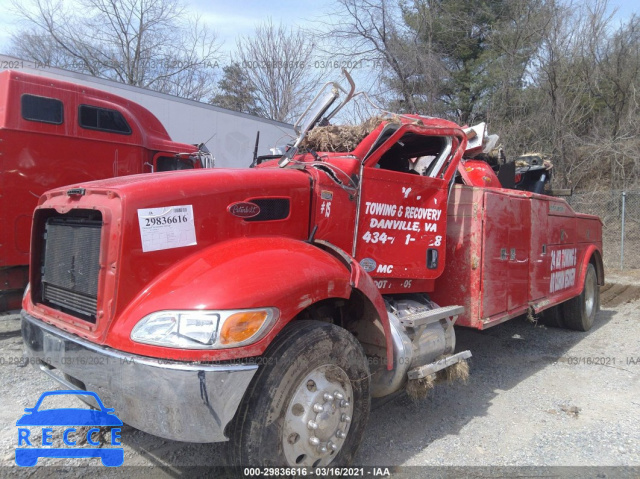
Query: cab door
column 402, row 211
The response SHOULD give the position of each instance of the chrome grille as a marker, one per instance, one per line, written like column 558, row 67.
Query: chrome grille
column 71, row 265
column 70, row 300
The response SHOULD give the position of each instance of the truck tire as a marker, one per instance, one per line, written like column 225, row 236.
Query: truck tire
column 309, row 402
column 552, row 317
column 579, row 312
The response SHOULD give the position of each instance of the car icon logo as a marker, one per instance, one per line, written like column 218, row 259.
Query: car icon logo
column 65, row 420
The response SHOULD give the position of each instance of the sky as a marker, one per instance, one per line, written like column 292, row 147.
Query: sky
column 231, row 18
column 229, row 21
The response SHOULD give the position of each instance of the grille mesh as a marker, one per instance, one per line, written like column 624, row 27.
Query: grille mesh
column 69, row 300
column 71, row 265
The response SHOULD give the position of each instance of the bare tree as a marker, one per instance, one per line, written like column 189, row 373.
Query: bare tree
column 617, row 73
column 613, row 76
column 566, row 106
column 148, row 43
column 372, row 32
column 278, row 63
column 39, row 47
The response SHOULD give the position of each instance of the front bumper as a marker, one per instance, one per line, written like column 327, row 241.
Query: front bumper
column 170, row 399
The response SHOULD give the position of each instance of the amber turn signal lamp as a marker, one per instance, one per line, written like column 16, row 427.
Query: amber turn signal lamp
column 241, row 326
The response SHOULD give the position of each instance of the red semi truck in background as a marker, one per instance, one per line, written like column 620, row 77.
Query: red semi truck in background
column 53, row 133
column 269, row 305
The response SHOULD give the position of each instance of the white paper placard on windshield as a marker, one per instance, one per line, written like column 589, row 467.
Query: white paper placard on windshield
column 166, row 228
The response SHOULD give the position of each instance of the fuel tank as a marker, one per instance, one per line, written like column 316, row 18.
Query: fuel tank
column 412, row 348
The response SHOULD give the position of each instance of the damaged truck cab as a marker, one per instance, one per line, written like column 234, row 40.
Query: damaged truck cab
column 269, row 305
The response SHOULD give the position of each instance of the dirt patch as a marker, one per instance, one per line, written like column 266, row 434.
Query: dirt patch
column 613, row 294
column 9, row 326
column 625, row 276
column 569, row 410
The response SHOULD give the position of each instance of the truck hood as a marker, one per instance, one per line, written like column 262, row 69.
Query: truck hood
column 200, row 208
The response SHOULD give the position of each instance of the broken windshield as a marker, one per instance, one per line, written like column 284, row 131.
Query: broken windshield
column 318, row 107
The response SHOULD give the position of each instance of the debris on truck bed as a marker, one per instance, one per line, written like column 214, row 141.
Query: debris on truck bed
column 333, row 138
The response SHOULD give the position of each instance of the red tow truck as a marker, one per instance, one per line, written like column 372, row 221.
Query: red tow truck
column 269, row 305
column 53, row 133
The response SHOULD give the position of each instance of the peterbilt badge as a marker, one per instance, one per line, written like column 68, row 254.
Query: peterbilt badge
column 244, row 209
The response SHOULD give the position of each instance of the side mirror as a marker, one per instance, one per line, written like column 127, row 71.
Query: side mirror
column 204, row 156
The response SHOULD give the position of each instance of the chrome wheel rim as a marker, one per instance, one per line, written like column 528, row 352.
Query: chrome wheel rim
column 589, row 294
column 318, row 417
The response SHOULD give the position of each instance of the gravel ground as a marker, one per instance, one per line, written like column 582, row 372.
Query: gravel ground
column 536, row 396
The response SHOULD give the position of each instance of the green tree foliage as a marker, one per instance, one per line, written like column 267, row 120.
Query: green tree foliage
column 554, row 76
column 236, row 91
column 482, row 45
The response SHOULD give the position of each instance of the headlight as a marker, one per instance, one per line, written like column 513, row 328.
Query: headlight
column 204, row 329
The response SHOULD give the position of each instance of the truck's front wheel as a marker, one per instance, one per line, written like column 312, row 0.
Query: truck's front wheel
column 308, row 404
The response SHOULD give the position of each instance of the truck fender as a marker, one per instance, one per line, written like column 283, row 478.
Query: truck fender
column 592, row 251
column 361, row 281
column 581, row 271
column 247, row 273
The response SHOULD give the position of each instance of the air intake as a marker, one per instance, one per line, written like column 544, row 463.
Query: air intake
column 271, row 209
column 71, row 265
